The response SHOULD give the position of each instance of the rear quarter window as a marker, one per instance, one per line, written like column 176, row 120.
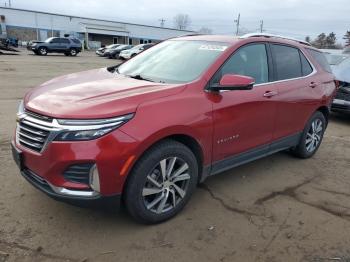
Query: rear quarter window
column 320, row 59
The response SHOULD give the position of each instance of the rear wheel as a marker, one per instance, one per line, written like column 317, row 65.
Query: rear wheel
column 42, row 51
column 161, row 182
column 312, row 136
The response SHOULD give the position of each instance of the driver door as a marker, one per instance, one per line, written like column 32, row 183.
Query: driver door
column 244, row 119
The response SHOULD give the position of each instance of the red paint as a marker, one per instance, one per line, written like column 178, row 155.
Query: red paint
column 247, row 117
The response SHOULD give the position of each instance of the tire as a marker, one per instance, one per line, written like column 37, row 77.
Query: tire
column 312, row 136
column 73, row 52
column 147, row 198
column 66, row 54
column 133, row 55
column 42, row 51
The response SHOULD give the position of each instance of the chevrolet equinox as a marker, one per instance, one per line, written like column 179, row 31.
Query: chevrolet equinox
column 148, row 131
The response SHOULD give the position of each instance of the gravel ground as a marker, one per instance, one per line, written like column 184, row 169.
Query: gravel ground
column 275, row 209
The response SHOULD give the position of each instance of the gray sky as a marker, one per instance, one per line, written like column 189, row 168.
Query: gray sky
column 297, row 18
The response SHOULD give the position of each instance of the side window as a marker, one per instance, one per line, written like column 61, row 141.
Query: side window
column 305, row 65
column 54, row 41
column 64, row 41
column 287, row 62
column 321, row 60
column 250, row 60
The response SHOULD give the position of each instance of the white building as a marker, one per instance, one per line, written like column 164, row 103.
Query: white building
column 28, row 25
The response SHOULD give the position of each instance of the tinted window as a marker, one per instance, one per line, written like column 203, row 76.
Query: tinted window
column 250, row 61
column 321, row 60
column 305, row 65
column 55, row 41
column 287, row 62
column 65, row 41
column 77, row 41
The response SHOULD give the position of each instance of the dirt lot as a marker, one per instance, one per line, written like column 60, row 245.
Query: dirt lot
column 275, row 209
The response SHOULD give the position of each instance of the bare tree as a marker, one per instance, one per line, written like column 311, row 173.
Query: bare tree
column 205, row 30
column 182, row 21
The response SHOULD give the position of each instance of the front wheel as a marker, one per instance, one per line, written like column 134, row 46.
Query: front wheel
column 42, row 51
column 312, row 136
column 161, row 183
column 73, row 52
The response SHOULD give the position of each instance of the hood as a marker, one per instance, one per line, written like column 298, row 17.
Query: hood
column 94, row 94
column 342, row 71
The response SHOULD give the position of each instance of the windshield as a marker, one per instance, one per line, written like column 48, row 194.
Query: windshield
column 335, row 59
column 49, row 39
column 174, row 61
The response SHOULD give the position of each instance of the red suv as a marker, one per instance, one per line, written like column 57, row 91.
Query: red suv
column 149, row 130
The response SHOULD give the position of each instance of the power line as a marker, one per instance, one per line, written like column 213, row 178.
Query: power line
column 162, row 22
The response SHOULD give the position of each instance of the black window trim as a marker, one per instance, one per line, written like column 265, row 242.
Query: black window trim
column 269, row 64
column 314, row 70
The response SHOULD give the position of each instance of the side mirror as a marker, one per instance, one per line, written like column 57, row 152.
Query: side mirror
column 234, row 82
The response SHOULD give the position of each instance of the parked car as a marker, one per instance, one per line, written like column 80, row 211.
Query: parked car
column 127, row 54
column 102, row 50
column 114, row 53
column 149, row 130
column 67, row 46
column 341, row 103
column 334, row 60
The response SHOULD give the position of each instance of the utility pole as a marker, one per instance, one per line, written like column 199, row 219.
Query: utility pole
column 9, row 3
column 261, row 26
column 162, row 21
column 237, row 21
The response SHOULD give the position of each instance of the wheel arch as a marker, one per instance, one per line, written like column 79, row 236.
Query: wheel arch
column 325, row 111
column 185, row 139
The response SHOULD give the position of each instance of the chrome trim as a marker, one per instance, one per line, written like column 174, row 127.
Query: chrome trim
column 314, row 71
column 68, row 192
column 55, row 127
column 341, row 102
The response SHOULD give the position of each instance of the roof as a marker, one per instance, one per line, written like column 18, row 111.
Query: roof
column 102, row 20
column 248, row 38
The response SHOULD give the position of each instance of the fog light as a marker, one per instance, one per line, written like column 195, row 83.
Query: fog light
column 94, row 179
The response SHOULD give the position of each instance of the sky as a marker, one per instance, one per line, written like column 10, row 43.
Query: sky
column 295, row 18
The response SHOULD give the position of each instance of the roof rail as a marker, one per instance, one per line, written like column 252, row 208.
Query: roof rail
column 275, row 36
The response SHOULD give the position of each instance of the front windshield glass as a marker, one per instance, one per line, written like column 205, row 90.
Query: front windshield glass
column 174, row 61
column 48, row 40
column 335, row 59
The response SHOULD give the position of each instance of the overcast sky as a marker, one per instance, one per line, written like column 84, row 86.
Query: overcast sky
column 297, row 18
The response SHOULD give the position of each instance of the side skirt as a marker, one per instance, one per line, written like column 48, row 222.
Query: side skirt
column 251, row 155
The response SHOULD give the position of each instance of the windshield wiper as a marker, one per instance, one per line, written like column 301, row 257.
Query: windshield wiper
column 139, row 77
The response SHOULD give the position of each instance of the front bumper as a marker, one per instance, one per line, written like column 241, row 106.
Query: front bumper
column 339, row 105
column 110, row 153
column 125, row 56
column 75, row 197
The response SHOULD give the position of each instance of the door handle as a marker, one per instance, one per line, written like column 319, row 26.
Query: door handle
column 270, row 93
column 313, row 85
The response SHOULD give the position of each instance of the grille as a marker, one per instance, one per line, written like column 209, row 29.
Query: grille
column 343, row 95
column 31, row 134
column 78, row 173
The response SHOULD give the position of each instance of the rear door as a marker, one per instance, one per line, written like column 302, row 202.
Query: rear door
column 244, row 119
column 296, row 83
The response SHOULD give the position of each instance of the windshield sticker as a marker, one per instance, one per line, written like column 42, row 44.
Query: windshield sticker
column 219, row 48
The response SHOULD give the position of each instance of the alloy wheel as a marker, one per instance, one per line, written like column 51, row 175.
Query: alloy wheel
column 314, row 135
column 166, row 185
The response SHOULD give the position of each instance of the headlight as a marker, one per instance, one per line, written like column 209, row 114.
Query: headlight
column 34, row 44
column 81, row 130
